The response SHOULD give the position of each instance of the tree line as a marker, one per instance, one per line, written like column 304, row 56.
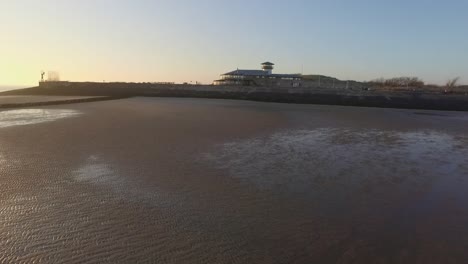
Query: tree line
column 413, row 82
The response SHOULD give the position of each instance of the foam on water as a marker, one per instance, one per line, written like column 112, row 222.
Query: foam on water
column 23, row 117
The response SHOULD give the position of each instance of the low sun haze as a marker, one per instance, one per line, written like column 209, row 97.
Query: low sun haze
column 195, row 41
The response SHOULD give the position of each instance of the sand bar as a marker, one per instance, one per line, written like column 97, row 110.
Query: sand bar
column 18, row 101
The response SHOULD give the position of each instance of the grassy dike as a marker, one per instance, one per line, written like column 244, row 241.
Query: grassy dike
column 111, row 91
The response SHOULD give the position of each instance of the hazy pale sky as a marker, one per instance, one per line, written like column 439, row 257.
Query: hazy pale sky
column 196, row 40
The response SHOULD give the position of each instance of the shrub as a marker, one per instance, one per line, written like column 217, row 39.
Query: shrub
column 398, row 82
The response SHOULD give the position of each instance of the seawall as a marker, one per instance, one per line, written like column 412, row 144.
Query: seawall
column 410, row 100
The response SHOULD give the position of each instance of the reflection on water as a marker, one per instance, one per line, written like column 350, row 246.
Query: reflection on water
column 23, row 117
column 96, row 173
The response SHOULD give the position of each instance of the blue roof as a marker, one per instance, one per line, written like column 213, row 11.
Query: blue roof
column 247, row 72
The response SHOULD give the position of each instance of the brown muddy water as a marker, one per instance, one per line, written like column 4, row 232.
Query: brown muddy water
column 160, row 180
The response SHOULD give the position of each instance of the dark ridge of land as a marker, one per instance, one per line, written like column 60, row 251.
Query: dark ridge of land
column 58, row 102
column 381, row 99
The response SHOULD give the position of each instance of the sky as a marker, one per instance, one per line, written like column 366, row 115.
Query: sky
column 197, row 40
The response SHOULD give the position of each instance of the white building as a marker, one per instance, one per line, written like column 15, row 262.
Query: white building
column 263, row 77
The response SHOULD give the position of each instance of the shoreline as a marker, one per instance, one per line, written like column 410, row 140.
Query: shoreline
column 112, row 91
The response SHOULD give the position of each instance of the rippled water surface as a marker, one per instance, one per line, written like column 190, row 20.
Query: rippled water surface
column 218, row 181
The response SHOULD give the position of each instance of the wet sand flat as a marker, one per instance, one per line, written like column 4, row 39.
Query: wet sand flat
column 162, row 180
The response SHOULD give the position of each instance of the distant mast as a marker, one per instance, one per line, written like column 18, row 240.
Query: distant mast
column 268, row 67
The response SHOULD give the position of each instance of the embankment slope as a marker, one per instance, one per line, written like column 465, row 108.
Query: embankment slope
column 409, row 100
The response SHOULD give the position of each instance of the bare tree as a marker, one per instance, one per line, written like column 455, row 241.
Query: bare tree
column 452, row 83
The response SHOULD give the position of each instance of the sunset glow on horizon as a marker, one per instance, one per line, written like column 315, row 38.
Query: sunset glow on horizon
column 196, row 41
